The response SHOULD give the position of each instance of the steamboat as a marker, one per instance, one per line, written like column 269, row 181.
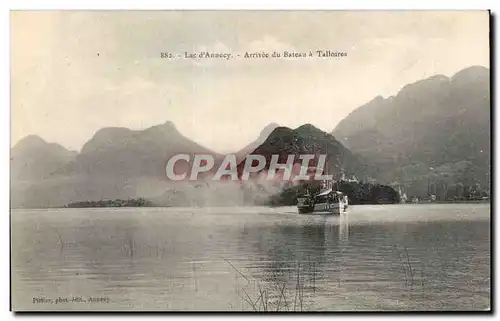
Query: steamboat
column 329, row 200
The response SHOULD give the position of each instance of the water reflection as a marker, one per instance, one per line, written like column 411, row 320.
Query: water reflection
column 198, row 260
column 306, row 258
column 344, row 228
column 374, row 266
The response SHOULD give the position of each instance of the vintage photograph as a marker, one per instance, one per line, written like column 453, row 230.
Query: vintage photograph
column 250, row 161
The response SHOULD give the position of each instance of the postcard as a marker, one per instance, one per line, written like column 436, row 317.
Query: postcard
column 250, row 161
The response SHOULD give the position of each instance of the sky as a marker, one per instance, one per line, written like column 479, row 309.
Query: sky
column 75, row 72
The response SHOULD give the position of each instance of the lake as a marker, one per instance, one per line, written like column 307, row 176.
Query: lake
column 374, row 258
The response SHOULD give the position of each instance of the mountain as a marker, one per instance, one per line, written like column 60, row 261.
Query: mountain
column 308, row 139
column 264, row 134
column 125, row 153
column 116, row 163
column 435, row 122
column 33, row 159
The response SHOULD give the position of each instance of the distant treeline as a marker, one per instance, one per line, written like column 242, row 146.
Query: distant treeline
column 357, row 192
column 139, row 202
column 369, row 193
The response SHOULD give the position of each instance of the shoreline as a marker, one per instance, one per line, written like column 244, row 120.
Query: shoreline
column 245, row 206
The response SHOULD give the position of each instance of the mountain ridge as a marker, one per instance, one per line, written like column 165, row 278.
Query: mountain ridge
column 116, row 163
column 33, row 158
column 435, row 126
column 307, row 139
column 432, row 122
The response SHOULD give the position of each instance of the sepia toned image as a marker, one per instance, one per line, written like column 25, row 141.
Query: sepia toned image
column 250, row 161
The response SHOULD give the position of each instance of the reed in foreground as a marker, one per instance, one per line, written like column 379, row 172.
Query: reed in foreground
column 272, row 297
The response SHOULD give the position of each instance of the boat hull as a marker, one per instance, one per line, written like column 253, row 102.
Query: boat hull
column 324, row 209
column 305, row 210
column 329, row 208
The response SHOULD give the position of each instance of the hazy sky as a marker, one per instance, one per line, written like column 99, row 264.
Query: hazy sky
column 73, row 73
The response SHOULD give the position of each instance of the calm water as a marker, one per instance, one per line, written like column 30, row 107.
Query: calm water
column 395, row 257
